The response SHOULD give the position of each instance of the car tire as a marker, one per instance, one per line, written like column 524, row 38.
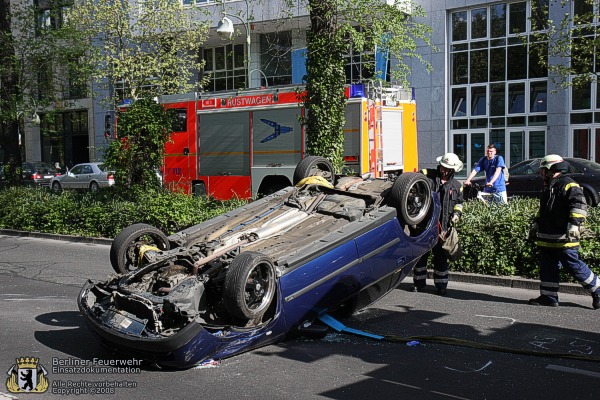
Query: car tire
column 250, row 286
column 124, row 251
column 56, row 187
column 411, row 196
column 94, row 187
column 314, row 166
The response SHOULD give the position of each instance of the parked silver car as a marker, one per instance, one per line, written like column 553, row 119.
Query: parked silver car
column 86, row 176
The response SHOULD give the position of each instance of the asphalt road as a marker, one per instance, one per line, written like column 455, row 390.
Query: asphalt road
column 40, row 279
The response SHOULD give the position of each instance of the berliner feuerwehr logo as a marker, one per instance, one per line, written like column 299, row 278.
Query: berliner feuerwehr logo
column 27, row 376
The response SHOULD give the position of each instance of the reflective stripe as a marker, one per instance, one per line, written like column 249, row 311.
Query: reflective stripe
column 440, row 273
column 549, row 293
column 557, row 236
column 571, row 185
column 590, row 278
column 440, row 280
column 557, row 245
column 550, row 284
column 419, row 277
column 420, row 269
column 578, row 213
column 594, row 288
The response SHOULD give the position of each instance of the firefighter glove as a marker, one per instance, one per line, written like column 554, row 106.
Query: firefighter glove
column 454, row 219
column 573, row 232
column 533, row 231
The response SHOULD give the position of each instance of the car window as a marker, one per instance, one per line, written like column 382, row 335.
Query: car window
column 27, row 167
column 87, row 169
column 77, row 169
column 588, row 165
column 102, row 167
column 528, row 167
column 44, row 168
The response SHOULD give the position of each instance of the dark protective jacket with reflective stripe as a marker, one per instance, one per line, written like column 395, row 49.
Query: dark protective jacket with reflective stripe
column 451, row 195
column 562, row 202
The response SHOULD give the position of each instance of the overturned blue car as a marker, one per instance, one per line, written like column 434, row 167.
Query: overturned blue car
column 251, row 276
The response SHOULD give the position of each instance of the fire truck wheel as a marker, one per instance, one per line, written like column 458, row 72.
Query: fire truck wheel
column 314, row 166
column 125, row 249
column 249, row 286
column 411, row 196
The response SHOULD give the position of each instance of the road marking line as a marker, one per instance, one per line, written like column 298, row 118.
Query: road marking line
column 573, row 370
column 473, row 370
column 449, row 395
column 400, row 384
column 512, row 320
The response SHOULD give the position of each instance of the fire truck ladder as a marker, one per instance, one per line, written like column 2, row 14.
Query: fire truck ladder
column 379, row 129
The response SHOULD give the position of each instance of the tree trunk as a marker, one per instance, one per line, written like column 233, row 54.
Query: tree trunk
column 324, row 100
column 9, row 93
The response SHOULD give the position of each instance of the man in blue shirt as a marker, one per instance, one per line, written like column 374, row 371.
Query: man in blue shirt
column 493, row 166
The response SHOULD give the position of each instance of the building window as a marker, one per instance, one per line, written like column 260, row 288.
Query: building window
column 44, row 80
column 360, row 65
column 501, row 79
column 51, row 15
column 276, row 58
column 225, row 67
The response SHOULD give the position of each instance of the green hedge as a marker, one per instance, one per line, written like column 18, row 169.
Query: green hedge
column 105, row 213
column 493, row 238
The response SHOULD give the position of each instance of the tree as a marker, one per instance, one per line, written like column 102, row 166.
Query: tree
column 23, row 45
column 138, row 51
column 8, row 97
column 566, row 48
column 143, row 130
column 362, row 25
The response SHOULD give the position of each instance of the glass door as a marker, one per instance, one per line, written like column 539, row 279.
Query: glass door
column 586, row 143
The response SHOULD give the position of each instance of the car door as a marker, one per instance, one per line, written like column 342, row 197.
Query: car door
column 525, row 179
column 87, row 173
column 71, row 178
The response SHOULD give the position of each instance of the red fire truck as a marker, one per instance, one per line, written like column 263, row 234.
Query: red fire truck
column 245, row 143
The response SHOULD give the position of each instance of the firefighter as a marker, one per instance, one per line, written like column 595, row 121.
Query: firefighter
column 451, row 197
column 556, row 231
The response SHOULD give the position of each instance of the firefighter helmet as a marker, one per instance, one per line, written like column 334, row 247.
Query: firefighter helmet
column 450, row 161
column 554, row 162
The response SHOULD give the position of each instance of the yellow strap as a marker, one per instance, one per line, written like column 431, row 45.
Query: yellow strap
column 315, row 180
column 143, row 249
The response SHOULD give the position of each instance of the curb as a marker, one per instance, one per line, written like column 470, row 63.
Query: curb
column 514, row 282
column 505, row 281
column 53, row 236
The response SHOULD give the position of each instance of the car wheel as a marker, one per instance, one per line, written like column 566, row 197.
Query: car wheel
column 411, row 196
column 94, row 187
column 56, row 187
column 249, row 286
column 125, row 249
column 314, row 166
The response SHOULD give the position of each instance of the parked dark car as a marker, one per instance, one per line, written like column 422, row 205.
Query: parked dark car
column 38, row 174
column 247, row 278
column 86, row 176
column 525, row 179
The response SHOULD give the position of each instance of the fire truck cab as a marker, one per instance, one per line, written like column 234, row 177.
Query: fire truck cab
column 247, row 143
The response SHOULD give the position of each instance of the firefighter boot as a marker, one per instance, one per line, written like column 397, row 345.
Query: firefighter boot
column 544, row 301
column 596, row 300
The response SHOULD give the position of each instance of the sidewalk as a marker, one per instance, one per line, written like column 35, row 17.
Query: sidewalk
column 506, row 281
